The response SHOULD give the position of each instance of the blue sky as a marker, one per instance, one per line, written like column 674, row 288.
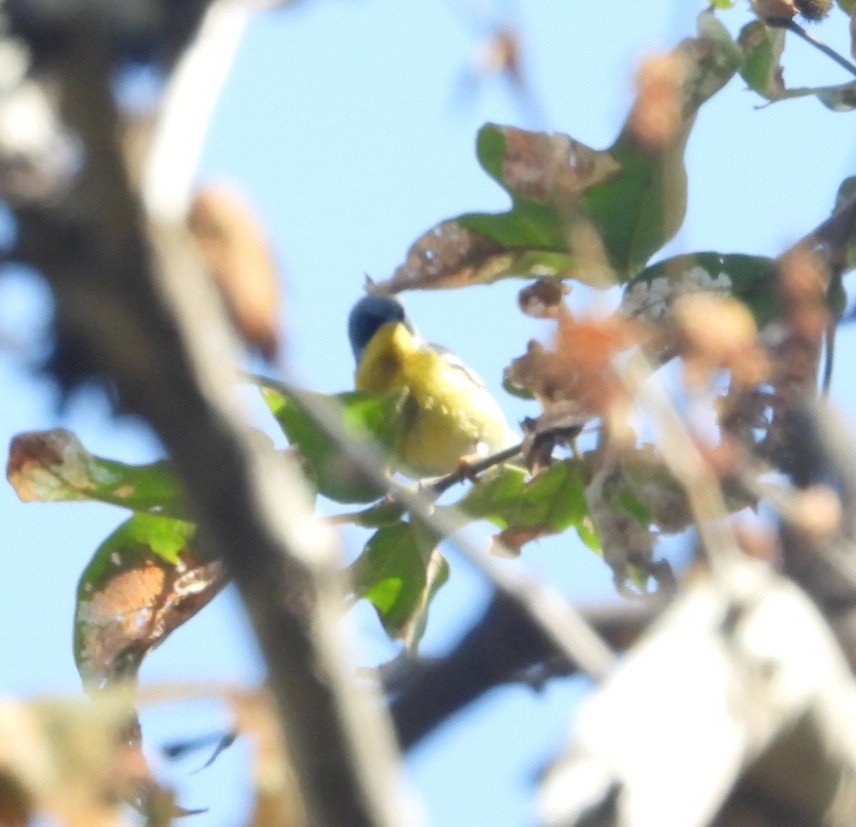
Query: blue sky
column 346, row 125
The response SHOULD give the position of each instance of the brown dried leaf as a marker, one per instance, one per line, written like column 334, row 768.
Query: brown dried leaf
column 130, row 605
column 579, row 368
column 795, row 352
column 449, row 255
column 803, row 281
column 49, row 465
column 68, row 761
column 236, row 250
column 552, row 168
column 542, row 299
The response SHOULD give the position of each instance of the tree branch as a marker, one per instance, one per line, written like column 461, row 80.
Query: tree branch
column 143, row 316
column 504, row 646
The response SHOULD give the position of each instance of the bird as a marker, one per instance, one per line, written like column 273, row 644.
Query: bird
column 448, row 415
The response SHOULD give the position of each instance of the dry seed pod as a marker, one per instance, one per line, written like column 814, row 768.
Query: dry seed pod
column 814, row 9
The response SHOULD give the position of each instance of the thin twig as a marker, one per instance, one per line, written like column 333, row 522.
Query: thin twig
column 467, row 470
column 559, row 620
column 685, row 461
column 793, row 26
column 829, row 356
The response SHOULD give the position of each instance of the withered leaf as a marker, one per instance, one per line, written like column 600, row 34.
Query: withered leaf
column 550, row 168
column 577, row 212
column 544, row 174
column 762, row 70
column 577, row 374
column 67, row 762
column 542, row 298
column 53, row 466
column 449, row 255
column 144, row 581
column 50, row 466
column 239, row 257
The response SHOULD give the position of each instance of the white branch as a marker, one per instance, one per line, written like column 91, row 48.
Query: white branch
column 716, row 687
column 187, row 107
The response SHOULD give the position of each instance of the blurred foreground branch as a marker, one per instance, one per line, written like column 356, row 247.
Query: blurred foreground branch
column 762, row 694
column 504, row 646
column 141, row 314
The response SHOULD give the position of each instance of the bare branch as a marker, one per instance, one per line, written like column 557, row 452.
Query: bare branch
column 792, row 26
column 560, row 621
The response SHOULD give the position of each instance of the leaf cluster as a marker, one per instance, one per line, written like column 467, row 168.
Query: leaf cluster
column 596, row 217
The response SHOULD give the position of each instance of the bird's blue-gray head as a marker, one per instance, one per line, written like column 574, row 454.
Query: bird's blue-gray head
column 370, row 313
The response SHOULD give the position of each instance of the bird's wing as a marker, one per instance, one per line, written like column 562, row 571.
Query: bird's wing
column 454, row 361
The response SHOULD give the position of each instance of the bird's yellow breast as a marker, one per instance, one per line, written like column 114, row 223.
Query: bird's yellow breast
column 447, row 413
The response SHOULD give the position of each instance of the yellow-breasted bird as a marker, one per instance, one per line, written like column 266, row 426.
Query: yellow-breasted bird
column 448, row 413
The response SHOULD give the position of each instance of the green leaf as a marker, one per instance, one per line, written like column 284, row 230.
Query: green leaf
column 762, row 70
column 53, row 466
column 641, row 209
column 576, row 212
column 385, row 512
column 143, row 581
column 762, row 52
column 399, row 572
column 643, row 487
column 628, row 501
column 529, row 508
column 846, row 191
column 366, row 416
column 651, row 295
column 841, row 98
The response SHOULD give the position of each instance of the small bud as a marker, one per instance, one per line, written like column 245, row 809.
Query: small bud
column 813, row 9
column 542, row 298
column 780, row 9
